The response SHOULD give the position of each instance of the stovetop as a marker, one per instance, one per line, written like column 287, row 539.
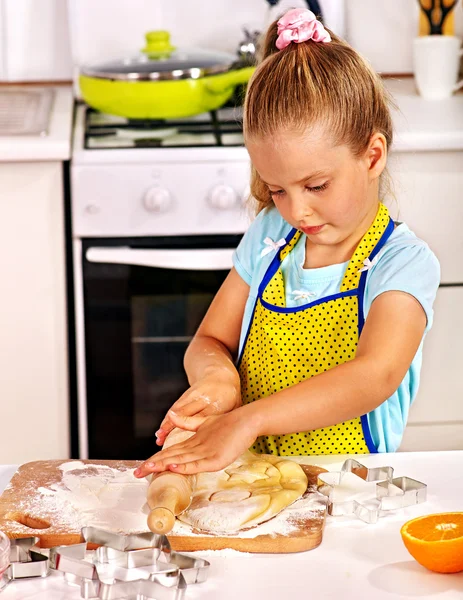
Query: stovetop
column 223, row 127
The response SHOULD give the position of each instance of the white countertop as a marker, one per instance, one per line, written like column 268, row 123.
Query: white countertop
column 425, row 125
column 354, row 560
column 419, row 125
column 56, row 145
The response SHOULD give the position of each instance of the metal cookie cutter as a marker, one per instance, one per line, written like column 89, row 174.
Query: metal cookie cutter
column 391, row 493
column 120, row 569
column 26, row 560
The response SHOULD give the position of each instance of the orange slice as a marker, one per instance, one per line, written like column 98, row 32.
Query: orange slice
column 436, row 541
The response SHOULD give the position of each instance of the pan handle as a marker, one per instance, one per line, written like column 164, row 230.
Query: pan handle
column 224, row 81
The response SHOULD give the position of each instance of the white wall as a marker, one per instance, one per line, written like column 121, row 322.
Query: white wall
column 35, row 34
column 382, row 31
column 34, row 40
column 214, row 24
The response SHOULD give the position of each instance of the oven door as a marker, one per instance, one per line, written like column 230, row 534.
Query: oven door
column 143, row 300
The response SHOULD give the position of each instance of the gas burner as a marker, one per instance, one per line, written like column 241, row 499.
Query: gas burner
column 218, row 128
column 145, row 123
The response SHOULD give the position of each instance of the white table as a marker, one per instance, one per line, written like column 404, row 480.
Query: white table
column 354, row 561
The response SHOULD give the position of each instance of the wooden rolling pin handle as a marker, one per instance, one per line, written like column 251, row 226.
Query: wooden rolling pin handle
column 162, row 518
column 169, row 494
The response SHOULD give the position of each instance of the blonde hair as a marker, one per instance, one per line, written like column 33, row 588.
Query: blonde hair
column 310, row 82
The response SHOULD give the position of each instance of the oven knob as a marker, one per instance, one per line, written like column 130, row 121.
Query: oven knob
column 92, row 209
column 223, row 197
column 157, row 200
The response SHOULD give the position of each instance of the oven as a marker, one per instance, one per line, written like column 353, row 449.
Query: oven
column 153, row 233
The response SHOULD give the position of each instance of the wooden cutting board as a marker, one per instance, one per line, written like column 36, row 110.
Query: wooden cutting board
column 22, row 514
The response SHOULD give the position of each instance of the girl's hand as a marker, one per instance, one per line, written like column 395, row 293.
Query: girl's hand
column 217, row 393
column 219, row 440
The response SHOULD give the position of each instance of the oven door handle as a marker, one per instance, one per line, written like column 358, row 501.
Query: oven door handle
column 185, row 260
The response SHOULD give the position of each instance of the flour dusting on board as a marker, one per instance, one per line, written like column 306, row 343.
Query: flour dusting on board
column 91, row 495
column 113, row 499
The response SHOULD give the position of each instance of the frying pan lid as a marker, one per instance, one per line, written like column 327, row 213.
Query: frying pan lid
column 159, row 60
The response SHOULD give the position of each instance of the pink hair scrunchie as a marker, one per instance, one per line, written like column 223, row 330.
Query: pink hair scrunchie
column 299, row 25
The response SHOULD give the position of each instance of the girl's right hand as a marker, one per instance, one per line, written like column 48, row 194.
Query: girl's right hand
column 215, row 394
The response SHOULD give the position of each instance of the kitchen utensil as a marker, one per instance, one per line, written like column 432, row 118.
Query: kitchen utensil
column 436, row 62
column 26, row 560
column 163, row 82
column 4, row 552
column 314, row 6
column 391, row 493
column 301, row 530
column 111, row 580
column 248, row 46
column 436, row 12
column 124, row 566
column 169, row 494
column 4, row 558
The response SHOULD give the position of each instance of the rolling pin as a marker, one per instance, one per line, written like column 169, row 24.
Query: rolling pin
column 169, row 494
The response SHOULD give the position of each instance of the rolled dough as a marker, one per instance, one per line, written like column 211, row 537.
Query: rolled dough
column 253, row 489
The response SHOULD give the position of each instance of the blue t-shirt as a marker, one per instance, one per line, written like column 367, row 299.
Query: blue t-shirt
column 405, row 263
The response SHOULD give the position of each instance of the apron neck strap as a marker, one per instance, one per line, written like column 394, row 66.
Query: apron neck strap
column 293, row 238
column 369, row 246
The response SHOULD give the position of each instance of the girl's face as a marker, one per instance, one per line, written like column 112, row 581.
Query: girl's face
column 321, row 189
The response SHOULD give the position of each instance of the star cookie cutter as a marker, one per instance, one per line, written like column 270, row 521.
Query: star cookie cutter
column 128, row 567
column 26, row 559
column 391, row 493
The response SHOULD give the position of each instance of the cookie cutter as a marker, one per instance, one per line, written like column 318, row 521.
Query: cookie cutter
column 135, row 566
column 26, row 560
column 391, row 493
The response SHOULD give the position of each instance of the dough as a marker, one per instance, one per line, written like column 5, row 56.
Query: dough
column 253, row 489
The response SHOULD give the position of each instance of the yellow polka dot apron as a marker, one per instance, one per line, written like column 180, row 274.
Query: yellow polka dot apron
column 285, row 346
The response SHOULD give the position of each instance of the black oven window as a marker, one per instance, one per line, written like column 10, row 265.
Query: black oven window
column 138, row 324
column 162, row 327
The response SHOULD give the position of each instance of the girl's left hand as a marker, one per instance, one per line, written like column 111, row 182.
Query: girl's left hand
column 219, row 440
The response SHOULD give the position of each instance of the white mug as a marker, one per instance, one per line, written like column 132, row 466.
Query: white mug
column 436, row 61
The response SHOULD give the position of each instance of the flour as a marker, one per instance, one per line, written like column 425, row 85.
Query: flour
column 113, row 499
column 104, row 497
column 92, row 495
column 214, row 403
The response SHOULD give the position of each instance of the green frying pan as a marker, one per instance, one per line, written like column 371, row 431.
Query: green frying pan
column 162, row 82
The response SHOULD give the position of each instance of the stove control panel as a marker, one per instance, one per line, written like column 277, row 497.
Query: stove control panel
column 158, row 198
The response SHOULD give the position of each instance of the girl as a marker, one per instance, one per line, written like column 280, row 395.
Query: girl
column 329, row 300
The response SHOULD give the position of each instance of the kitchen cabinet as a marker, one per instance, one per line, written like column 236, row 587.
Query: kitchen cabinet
column 426, row 171
column 428, row 198
column 33, row 374
column 436, row 417
column 34, row 419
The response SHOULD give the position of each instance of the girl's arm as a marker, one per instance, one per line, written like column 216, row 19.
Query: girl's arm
column 390, row 339
column 209, row 359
